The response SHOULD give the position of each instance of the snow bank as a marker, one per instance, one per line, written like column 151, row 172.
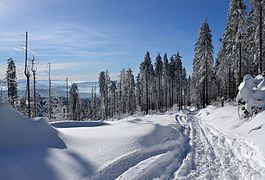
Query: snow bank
column 19, row 132
column 250, row 133
column 252, row 92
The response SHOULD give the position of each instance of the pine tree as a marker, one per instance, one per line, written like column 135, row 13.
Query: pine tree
column 159, row 77
column 113, row 98
column 138, row 90
column 123, row 92
column 147, row 72
column 74, row 102
column 188, row 91
column 203, row 64
column 93, row 104
column 131, row 92
column 172, row 74
column 166, row 81
column 178, row 79
column 258, row 17
column 11, row 81
column 234, row 48
column 103, row 90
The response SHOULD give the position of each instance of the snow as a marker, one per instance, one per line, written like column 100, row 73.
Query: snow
column 248, row 136
column 192, row 144
column 252, row 92
column 120, row 146
column 217, row 149
column 17, row 131
column 89, row 150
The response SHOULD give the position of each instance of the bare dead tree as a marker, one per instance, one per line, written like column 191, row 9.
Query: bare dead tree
column 27, row 74
column 34, row 70
column 50, row 100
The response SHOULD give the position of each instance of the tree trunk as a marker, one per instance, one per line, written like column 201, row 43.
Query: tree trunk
column 146, row 94
column 166, row 83
column 172, row 94
column 240, row 64
column 260, row 38
column 206, row 84
column 34, row 94
column 28, row 91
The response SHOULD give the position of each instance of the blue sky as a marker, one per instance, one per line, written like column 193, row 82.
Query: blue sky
column 82, row 37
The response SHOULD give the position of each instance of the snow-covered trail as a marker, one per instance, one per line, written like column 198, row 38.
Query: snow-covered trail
column 194, row 150
column 215, row 155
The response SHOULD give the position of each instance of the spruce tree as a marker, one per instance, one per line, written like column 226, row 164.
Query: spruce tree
column 74, row 102
column 172, row 75
column 131, row 92
column 11, row 81
column 104, row 81
column 258, row 17
column 147, row 72
column 166, row 81
column 203, row 64
column 138, row 90
column 233, row 52
column 113, row 98
column 159, row 76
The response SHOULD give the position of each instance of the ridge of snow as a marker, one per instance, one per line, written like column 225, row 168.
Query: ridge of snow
column 18, row 131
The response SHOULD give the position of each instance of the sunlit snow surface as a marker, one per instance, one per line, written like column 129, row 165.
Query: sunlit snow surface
column 207, row 144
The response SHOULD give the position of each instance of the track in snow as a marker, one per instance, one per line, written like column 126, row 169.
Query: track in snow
column 200, row 152
column 160, row 160
column 215, row 155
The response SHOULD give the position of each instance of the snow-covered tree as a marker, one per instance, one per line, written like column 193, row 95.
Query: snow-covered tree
column 131, row 99
column 172, row 69
column 258, row 23
column 113, row 98
column 203, row 65
column 94, row 104
column 11, row 78
column 104, row 80
column 233, row 53
column 139, row 93
column 178, row 80
column 166, row 81
column 147, row 74
column 159, row 78
column 74, row 102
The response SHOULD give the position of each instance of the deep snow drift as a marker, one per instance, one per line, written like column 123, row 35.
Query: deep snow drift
column 17, row 131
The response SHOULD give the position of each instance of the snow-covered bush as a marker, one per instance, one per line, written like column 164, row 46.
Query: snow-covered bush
column 252, row 94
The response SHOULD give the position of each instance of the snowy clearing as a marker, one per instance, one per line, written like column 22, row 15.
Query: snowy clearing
column 207, row 144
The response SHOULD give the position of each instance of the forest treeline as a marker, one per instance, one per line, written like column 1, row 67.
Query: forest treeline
column 163, row 83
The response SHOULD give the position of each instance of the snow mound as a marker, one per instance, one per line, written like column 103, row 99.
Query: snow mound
column 17, row 131
column 252, row 92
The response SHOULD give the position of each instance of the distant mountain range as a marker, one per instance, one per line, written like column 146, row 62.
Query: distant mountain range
column 58, row 87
